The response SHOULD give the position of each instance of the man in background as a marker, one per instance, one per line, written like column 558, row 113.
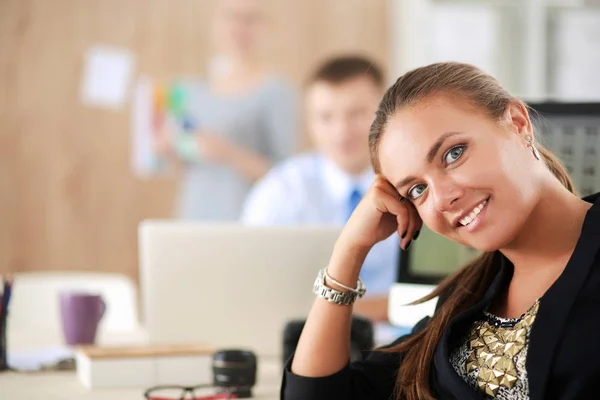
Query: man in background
column 324, row 186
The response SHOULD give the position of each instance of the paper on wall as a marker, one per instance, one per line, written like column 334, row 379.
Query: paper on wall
column 577, row 68
column 106, row 76
column 465, row 33
column 163, row 126
column 142, row 154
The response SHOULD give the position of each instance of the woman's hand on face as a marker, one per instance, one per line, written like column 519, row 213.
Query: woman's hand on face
column 381, row 212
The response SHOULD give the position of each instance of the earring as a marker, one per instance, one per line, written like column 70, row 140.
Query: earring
column 535, row 152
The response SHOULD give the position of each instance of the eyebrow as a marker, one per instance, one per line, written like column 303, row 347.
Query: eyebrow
column 431, row 154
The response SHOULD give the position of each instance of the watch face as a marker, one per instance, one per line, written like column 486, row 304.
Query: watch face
column 331, row 294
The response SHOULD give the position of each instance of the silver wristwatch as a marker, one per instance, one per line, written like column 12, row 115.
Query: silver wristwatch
column 332, row 295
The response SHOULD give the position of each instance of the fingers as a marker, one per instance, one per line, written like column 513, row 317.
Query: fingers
column 390, row 200
column 414, row 227
column 408, row 220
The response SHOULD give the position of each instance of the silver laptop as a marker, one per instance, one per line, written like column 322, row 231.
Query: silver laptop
column 231, row 286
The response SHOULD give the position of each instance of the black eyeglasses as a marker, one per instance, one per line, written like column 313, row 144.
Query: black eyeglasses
column 176, row 392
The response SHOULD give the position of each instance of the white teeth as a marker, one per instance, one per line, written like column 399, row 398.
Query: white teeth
column 468, row 219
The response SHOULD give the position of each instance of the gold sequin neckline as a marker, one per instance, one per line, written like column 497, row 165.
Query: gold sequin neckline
column 494, row 346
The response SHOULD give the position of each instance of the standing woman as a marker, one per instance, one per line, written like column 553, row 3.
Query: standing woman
column 245, row 115
column 456, row 151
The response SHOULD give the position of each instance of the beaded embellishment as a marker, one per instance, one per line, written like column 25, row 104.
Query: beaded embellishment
column 494, row 345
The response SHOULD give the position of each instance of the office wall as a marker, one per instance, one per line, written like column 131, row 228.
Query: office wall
column 68, row 200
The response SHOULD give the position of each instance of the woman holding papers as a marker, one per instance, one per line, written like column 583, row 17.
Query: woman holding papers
column 243, row 118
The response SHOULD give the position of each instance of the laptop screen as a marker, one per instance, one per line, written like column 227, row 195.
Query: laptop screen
column 431, row 258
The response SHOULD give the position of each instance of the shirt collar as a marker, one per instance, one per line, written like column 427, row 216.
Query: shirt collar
column 340, row 184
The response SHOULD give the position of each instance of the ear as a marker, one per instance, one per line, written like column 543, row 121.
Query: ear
column 517, row 119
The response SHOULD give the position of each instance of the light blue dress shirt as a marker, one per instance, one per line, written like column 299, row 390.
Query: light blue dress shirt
column 310, row 189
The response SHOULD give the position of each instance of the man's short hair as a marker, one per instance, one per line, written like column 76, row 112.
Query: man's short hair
column 340, row 69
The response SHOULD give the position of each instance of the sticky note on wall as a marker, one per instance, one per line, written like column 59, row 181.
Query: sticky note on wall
column 107, row 73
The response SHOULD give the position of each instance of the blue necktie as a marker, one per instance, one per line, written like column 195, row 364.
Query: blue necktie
column 353, row 201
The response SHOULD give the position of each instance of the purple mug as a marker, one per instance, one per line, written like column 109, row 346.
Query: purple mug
column 81, row 314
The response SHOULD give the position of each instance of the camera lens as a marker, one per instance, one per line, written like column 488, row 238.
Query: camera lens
column 235, row 371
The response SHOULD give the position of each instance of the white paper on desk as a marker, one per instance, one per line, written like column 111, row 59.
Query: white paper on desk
column 577, row 44
column 36, row 360
column 106, row 76
column 400, row 313
column 465, row 33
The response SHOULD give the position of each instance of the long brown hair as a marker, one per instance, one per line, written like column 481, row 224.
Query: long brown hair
column 467, row 286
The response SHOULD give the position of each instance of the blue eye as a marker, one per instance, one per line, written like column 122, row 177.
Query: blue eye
column 454, row 154
column 416, row 191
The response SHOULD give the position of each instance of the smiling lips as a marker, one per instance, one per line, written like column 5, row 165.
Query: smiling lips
column 465, row 221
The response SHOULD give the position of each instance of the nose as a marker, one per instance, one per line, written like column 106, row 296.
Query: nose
column 446, row 194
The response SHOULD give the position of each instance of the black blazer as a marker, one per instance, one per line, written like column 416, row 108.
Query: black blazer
column 563, row 360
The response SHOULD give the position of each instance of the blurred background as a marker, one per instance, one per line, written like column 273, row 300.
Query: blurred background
column 69, row 198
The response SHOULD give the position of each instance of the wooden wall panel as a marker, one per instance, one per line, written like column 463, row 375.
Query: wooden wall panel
column 309, row 31
column 68, row 200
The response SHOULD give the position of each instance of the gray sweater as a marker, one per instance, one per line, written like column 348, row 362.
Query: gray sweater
column 261, row 120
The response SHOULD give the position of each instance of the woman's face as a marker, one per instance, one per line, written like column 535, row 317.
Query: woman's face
column 468, row 176
column 238, row 25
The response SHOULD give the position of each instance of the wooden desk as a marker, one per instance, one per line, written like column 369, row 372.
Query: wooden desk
column 65, row 386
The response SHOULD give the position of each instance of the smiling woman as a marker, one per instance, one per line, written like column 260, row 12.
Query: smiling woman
column 485, row 162
column 455, row 151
